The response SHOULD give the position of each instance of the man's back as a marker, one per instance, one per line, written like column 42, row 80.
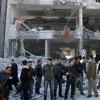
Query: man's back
column 14, row 70
column 91, row 73
column 38, row 70
column 25, row 76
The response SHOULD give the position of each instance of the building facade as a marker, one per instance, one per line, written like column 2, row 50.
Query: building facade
column 52, row 27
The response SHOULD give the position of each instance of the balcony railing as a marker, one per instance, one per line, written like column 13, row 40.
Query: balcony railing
column 40, row 2
column 91, row 1
column 66, row 2
column 36, row 34
column 51, row 34
column 46, row 2
column 92, row 4
column 29, row 1
column 44, row 34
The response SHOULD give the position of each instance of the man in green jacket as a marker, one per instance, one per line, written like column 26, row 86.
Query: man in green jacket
column 48, row 72
column 91, row 76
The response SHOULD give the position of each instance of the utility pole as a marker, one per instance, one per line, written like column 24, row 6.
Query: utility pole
column 2, row 25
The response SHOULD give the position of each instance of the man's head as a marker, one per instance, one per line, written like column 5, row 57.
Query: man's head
column 59, row 60
column 30, row 63
column 71, row 61
column 7, row 70
column 39, row 62
column 77, row 59
column 24, row 62
column 49, row 61
column 84, row 57
column 91, row 56
column 12, row 61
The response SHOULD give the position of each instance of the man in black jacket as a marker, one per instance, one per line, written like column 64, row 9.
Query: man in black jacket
column 5, row 79
column 32, row 77
column 79, row 70
column 59, row 70
column 71, row 79
column 14, row 74
column 25, row 80
column 38, row 76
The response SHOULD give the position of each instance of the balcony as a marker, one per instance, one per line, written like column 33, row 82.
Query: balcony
column 45, row 34
column 37, row 33
column 88, row 34
column 66, row 2
column 46, row 2
column 97, row 35
column 51, row 34
column 92, row 4
column 39, row 2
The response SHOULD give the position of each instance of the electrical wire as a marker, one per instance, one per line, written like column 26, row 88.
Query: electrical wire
column 70, row 17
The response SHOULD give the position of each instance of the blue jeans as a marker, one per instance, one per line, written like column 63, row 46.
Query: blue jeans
column 21, row 95
column 31, row 89
column 51, row 84
column 80, row 84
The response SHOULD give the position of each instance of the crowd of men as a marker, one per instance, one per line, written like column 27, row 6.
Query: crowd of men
column 53, row 76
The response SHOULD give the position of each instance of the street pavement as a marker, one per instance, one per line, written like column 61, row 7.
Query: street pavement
column 40, row 97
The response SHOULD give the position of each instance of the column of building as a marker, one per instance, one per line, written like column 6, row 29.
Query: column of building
column 81, row 29
column 2, row 26
column 13, row 46
column 9, row 21
column 47, row 48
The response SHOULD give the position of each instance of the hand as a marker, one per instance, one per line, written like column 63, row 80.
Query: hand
column 34, row 80
column 10, row 77
column 67, row 73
